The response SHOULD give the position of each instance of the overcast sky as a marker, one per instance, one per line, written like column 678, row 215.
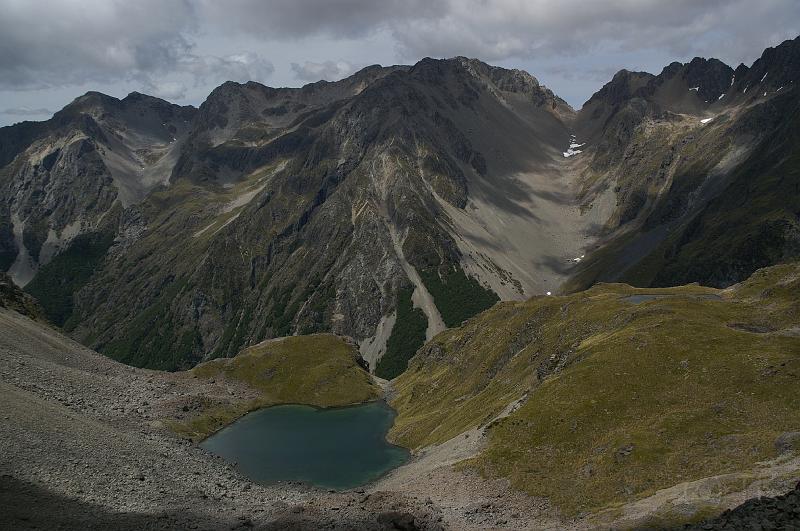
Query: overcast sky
column 54, row 50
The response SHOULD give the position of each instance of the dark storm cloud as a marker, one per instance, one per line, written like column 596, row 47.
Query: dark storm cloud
column 169, row 47
column 61, row 42
column 502, row 29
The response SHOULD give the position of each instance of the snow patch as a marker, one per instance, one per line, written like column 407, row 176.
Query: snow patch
column 763, row 78
column 573, row 147
column 721, row 96
column 706, row 120
column 696, row 89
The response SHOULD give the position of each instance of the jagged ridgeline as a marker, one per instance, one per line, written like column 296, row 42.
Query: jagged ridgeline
column 392, row 204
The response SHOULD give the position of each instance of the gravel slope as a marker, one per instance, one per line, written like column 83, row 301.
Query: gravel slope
column 82, row 445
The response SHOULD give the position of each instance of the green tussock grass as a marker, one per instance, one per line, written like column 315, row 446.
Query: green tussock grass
column 622, row 399
column 318, row 370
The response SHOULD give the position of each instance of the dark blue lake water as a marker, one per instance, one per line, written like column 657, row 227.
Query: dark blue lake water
column 337, row 448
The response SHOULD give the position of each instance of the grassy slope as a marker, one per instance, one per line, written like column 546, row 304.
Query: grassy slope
column 624, row 398
column 153, row 338
column 318, row 370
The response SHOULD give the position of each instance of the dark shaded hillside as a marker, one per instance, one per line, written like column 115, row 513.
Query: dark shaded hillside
column 697, row 201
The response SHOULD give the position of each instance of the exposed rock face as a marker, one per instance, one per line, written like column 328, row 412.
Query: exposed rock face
column 268, row 212
column 60, row 178
column 778, row 512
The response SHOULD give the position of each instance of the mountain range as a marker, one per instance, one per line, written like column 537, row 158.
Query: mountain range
column 580, row 319
column 392, row 204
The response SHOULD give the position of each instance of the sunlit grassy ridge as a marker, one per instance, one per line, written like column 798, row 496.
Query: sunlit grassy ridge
column 318, row 370
column 622, row 398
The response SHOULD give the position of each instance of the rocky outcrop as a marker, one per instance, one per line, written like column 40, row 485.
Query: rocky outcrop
column 59, row 179
column 12, row 298
column 778, row 512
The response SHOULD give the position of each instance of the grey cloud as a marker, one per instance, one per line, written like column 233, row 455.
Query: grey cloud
column 582, row 73
column 168, row 90
column 179, row 47
column 66, row 43
column 496, row 30
column 25, row 111
column 334, row 18
column 61, row 43
column 328, row 70
column 240, row 67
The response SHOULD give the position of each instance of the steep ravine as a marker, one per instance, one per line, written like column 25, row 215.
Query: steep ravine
column 420, row 297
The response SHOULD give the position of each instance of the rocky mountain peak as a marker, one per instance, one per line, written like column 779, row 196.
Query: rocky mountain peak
column 679, row 87
column 94, row 103
column 493, row 79
column 104, row 107
column 623, row 86
column 776, row 69
column 710, row 77
column 294, row 190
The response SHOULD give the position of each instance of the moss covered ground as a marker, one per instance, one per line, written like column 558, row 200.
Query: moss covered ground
column 318, row 370
column 620, row 398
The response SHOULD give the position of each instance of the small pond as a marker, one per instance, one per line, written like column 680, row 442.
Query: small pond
column 337, row 448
